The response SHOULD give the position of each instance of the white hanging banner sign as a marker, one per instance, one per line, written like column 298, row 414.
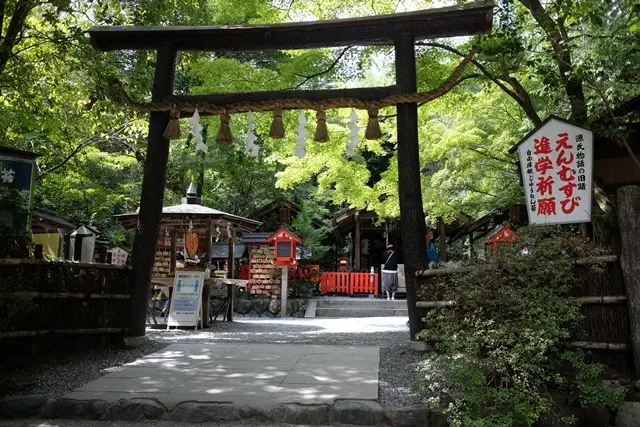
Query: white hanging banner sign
column 251, row 147
column 301, row 150
column 353, row 134
column 186, row 300
column 196, row 131
column 556, row 161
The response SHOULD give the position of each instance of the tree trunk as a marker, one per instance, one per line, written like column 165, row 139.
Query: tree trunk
column 153, row 182
column 412, row 225
column 629, row 225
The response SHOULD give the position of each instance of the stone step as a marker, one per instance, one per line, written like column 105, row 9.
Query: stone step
column 362, row 303
column 360, row 312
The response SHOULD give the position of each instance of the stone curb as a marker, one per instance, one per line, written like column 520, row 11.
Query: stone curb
column 354, row 412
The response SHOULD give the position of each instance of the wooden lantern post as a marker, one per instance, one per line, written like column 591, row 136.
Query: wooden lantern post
column 285, row 245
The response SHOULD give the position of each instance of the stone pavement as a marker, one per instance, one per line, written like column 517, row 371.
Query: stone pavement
column 243, row 374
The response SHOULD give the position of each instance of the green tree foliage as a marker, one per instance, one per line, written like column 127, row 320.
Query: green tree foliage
column 573, row 58
column 310, row 225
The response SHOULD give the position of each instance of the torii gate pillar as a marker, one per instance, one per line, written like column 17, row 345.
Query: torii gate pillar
column 412, row 225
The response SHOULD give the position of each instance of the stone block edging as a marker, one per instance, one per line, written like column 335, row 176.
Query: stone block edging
column 354, row 412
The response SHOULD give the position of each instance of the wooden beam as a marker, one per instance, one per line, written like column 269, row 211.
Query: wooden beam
column 461, row 20
column 229, row 99
column 153, row 183
column 412, row 225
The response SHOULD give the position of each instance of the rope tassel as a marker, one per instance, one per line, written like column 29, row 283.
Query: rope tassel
column 277, row 127
column 322, row 134
column 173, row 127
column 373, row 126
column 224, row 131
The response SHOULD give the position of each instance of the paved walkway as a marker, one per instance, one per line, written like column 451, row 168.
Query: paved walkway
column 243, row 373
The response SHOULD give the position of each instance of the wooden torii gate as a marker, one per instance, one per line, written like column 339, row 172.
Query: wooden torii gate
column 400, row 30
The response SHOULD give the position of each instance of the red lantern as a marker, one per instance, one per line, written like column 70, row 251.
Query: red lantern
column 285, row 244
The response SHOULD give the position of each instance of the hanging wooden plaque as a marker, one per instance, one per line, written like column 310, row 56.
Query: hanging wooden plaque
column 191, row 243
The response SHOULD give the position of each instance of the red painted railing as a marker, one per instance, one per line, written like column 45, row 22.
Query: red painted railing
column 363, row 283
column 334, row 283
column 348, row 283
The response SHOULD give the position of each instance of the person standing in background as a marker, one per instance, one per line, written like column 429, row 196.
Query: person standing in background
column 390, row 272
column 432, row 250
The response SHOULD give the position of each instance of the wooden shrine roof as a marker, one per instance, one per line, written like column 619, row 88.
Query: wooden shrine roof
column 44, row 219
column 460, row 20
column 199, row 216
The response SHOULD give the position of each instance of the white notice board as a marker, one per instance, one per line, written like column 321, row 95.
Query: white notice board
column 556, row 160
column 186, row 300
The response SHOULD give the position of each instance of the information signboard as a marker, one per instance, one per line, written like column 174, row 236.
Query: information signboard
column 556, row 160
column 16, row 176
column 186, row 300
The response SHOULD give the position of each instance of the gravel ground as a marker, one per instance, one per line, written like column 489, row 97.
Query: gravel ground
column 397, row 362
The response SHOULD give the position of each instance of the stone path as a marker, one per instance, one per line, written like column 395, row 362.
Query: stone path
column 243, row 374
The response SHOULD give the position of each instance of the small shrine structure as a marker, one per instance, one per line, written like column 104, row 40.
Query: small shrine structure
column 192, row 229
column 500, row 234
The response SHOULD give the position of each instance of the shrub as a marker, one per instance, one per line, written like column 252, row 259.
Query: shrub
column 500, row 348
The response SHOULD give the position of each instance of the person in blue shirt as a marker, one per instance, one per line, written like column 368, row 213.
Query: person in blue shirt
column 432, row 252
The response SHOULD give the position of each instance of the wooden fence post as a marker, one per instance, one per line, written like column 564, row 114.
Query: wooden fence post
column 153, row 182
column 629, row 225
column 412, row 224
column 284, row 289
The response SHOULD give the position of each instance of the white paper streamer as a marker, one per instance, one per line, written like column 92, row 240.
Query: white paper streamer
column 196, row 131
column 251, row 147
column 353, row 135
column 301, row 151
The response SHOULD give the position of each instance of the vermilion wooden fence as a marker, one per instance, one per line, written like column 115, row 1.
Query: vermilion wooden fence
column 333, row 282
column 348, row 283
column 363, row 283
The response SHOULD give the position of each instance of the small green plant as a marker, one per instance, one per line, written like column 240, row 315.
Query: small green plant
column 500, row 348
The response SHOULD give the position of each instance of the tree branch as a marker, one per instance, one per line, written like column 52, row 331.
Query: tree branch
column 3, row 4
column 522, row 99
column 489, row 156
column 446, row 87
column 15, row 28
column 91, row 140
column 555, row 31
column 527, row 104
column 320, row 73
column 475, row 190
column 620, row 139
